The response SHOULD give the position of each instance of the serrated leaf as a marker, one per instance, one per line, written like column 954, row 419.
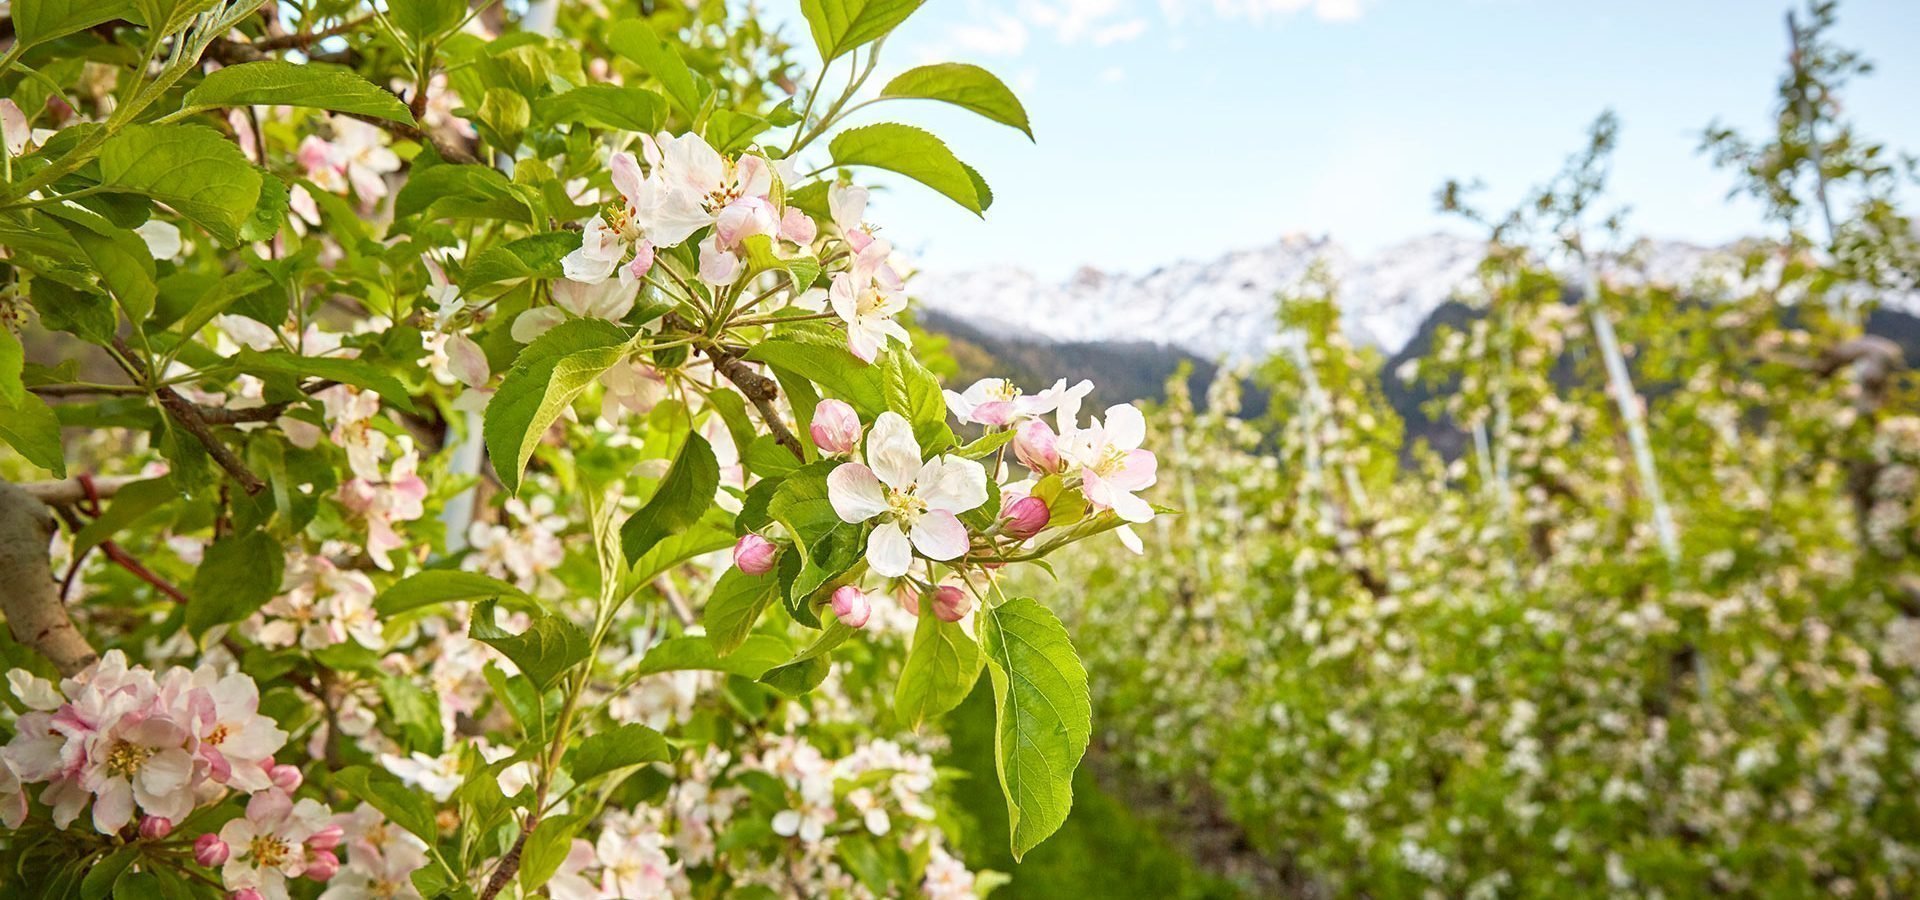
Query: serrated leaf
column 548, row 647
column 32, row 430
column 754, row 656
column 939, row 672
column 98, row 883
column 402, row 805
column 809, row 667
column 465, row 192
column 13, row 364
column 714, row 531
column 826, row 361
column 735, row 605
column 915, row 394
column 238, row 574
column 966, row 86
column 1043, row 716
column 915, row 153
column 440, row 586
column 839, row 26
column 195, row 170
column 545, row 379
column 683, row 497
column 129, row 504
column 37, row 21
column 605, row 106
column 361, row 373
column 637, row 41
column 609, row 751
column 275, row 82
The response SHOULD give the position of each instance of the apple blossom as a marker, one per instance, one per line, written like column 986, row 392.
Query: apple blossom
column 268, row 843
column 1024, row 518
column 866, row 298
column 836, row 427
column 997, row 401
column 916, row 501
column 153, row 828
column 286, row 778
column 1112, row 465
column 847, row 204
column 322, row 865
column 381, row 504
column 235, row 741
column 210, row 851
column 754, row 555
column 1037, row 447
column 851, row 606
column 951, row 604
column 357, row 157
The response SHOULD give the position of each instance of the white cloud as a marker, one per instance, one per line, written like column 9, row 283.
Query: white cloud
column 1113, row 75
column 1119, row 32
column 1003, row 36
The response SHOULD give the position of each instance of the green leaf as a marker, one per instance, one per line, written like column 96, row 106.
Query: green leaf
column 637, row 41
column 915, row 394
column 605, row 106
column 361, row 373
column 986, row 445
column 841, row 25
column 682, row 498
column 465, row 192
column 546, row 850
column 713, row 532
column 13, row 364
column 545, row 379
column 417, row 711
column 737, row 601
column 916, row 154
column 939, row 672
column 100, row 878
column 754, row 656
column 1044, row 716
column 801, row 504
column 276, row 82
column 31, row 428
column 195, row 170
column 425, row 19
column 168, row 16
column 440, row 586
column 808, row 668
column 546, row 650
column 615, row 749
column 731, row 132
column 825, row 361
column 38, row 21
column 129, row 504
column 402, row 805
column 238, row 575
column 119, row 256
column 498, row 270
column 966, row 86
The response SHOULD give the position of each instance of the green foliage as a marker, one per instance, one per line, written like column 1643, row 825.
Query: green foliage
column 277, row 82
column 1043, row 713
column 966, row 86
column 188, row 167
column 545, row 379
column 545, row 650
column 917, row 154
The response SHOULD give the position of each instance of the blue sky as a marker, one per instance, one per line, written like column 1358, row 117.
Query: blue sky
column 1171, row 129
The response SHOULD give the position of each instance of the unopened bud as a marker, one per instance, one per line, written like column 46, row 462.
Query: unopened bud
column 836, row 427
column 1037, row 447
column 326, row 838
column 754, row 554
column 850, row 605
column 246, row 894
column 153, row 828
column 951, row 604
column 286, row 778
column 1027, row 517
column 322, row 865
column 210, row 851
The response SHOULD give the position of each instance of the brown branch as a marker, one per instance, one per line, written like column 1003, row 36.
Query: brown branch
column 509, row 864
column 759, row 390
column 31, row 600
column 69, row 491
column 187, row 415
column 448, row 150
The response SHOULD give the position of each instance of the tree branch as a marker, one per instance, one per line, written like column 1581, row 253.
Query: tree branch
column 31, row 600
column 188, row 416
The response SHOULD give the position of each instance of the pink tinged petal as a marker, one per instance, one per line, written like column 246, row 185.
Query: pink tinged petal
column 939, row 535
column 753, row 176
column 960, row 405
column 467, row 361
column 13, row 124
column 892, row 451
column 952, row 483
column 848, row 205
column 864, row 341
column 993, row 412
column 266, row 809
column 626, row 174
column 717, row 266
column 1139, row 469
column 642, row 260
column 888, row 551
column 113, row 806
column 797, row 227
column 1131, row 540
column 536, row 322
column 855, row 493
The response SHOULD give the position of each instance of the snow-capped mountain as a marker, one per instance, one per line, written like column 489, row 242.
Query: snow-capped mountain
column 1224, row 309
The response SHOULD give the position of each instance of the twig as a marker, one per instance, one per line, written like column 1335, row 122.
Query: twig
column 760, row 390
column 187, row 414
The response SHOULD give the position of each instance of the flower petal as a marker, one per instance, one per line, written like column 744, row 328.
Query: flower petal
column 855, row 493
column 952, row 483
column 888, row 552
column 892, row 450
column 939, row 535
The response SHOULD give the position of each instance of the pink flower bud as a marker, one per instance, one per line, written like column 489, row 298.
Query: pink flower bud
column 326, row 838
column 153, row 828
column 286, row 778
column 754, row 554
column 836, row 427
column 951, row 604
column 210, row 851
column 1036, row 446
column 850, row 605
column 246, row 894
column 322, row 865
column 1027, row 517
column 909, row 597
